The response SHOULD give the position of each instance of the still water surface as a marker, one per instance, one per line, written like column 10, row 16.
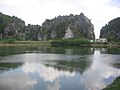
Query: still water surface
column 36, row 68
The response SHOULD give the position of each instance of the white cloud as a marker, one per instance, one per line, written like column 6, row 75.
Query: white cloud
column 36, row 11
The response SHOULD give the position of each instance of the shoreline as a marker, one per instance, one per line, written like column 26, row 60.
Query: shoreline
column 48, row 43
column 115, row 85
column 25, row 43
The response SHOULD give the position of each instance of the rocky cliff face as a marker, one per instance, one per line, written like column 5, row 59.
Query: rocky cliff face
column 14, row 28
column 111, row 31
column 11, row 27
column 80, row 26
column 68, row 34
column 32, row 31
column 72, row 26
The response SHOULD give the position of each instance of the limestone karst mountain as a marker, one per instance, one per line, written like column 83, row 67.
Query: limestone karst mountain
column 111, row 31
column 79, row 25
column 11, row 27
column 71, row 26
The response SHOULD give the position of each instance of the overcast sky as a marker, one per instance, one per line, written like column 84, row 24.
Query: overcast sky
column 36, row 11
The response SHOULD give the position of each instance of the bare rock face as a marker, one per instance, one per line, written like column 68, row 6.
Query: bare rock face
column 68, row 34
column 72, row 26
column 15, row 28
column 79, row 27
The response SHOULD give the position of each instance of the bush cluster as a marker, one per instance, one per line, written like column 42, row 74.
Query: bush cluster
column 7, row 41
column 69, row 42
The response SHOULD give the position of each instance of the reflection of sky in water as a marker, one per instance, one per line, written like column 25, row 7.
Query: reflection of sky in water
column 96, row 77
column 15, row 80
column 34, row 75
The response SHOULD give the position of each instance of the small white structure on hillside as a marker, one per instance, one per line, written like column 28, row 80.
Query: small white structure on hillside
column 68, row 34
column 101, row 40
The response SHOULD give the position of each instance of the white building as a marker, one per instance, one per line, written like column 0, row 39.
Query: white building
column 101, row 40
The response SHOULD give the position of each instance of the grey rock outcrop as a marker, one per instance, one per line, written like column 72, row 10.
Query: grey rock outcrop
column 80, row 26
column 15, row 28
column 68, row 34
column 72, row 26
column 11, row 27
column 111, row 31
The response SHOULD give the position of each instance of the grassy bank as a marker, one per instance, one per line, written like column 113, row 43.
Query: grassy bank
column 82, row 42
column 12, row 42
column 70, row 42
column 63, row 42
column 115, row 85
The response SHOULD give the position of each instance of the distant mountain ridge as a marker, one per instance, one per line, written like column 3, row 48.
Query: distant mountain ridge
column 57, row 28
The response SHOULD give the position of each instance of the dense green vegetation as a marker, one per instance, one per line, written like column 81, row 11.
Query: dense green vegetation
column 13, row 42
column 70, row 42
column 73, row 65
column 7, row 66
column 115, row 85
column 7, row 41
column 31, row 32
column 112, row 30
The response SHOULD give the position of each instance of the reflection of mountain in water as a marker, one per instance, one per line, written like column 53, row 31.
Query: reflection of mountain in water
column 8, row 66
column 58, row 68
column 13, row 50
column 109, row 50
column 71, row 65
column 78, row 65
column 113, row 51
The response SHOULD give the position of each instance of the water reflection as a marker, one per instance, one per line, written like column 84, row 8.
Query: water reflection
column 49, row 69
column 14, row 50
column 100, row 74
column 110, row 50
column 14, row 80
column 47, row 73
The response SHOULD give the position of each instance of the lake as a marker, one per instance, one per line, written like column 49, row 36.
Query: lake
column 57, row 68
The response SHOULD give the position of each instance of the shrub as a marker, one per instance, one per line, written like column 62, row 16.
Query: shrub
column 9, row 41
column 69, row 42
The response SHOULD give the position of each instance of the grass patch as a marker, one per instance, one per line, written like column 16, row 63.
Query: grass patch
column 70, row 42
column 115, row 85
column 15, row 42
column 7, row 41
